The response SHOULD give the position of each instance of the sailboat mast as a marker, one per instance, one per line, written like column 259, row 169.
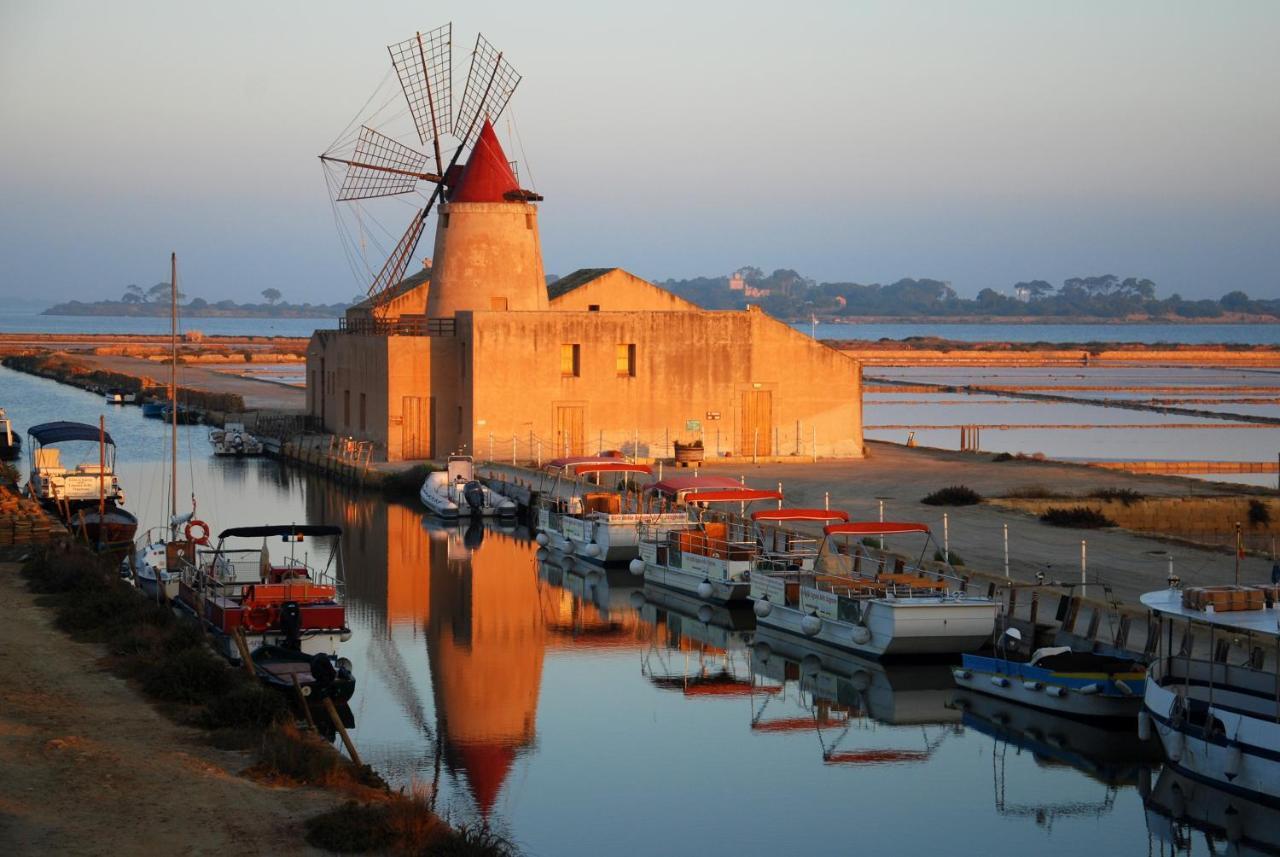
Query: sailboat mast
column 173, row 385
column 102, row 467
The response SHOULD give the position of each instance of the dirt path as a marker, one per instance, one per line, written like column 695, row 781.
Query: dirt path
column 88, row 767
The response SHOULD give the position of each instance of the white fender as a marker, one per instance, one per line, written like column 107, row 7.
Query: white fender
column 1056, row 691
column 1173, row 747
column 1033, row 685
column 861, row 634
column 999, row 681
column 636, row 566
column 637, row 599
column 541, row 538
column 961, row 675
column 1088, row 689
column 811, row 625
column 591, row 549
column 1144, row 726
column 762, row 608
column 705, row 589
column 704, row 614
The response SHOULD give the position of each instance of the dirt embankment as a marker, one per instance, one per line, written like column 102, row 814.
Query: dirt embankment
column 87, row 767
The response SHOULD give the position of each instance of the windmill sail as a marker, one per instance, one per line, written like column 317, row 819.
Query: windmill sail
column 424, row 65
column 393, row 271
column 380, row 166
column 491, row 81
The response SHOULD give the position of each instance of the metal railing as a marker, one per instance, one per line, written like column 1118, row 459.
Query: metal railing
column 405, row 325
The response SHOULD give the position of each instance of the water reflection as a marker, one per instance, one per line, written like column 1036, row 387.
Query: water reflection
column 1181, row 811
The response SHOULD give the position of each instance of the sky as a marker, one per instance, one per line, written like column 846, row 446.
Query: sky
column 979, row 142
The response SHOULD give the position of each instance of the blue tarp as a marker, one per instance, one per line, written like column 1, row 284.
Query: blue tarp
column 58, row 432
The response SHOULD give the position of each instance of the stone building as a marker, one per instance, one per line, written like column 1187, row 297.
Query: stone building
column 478, row 354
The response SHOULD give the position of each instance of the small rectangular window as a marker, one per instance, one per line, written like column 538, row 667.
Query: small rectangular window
column 528, row 221
column 593, row 307
column 364, row 413
column 626, row 360
column 570, row 360
column 444, row 220
column 346, row 407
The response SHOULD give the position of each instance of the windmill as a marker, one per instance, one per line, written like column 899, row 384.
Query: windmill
column 368, row 162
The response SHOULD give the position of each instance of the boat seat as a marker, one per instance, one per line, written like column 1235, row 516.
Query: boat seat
column 607, row 503
column 49, row 459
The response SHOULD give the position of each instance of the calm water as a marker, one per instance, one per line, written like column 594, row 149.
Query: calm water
column 580, row 714
column 1253, row 334
column 28, row 320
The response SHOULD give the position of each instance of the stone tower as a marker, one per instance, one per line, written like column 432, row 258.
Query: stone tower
column 487, row 255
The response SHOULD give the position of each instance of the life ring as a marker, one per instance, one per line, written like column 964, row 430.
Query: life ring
column 203, row 538
column 258, row 618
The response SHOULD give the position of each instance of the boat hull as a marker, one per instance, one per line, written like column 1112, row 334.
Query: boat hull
column 1094, row 697
column 110, row 531
column 696, row 582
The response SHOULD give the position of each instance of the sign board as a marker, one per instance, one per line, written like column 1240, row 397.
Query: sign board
column 713, row 415
column 693, row 425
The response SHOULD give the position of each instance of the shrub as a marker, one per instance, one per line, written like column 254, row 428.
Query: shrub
column 191, row 676
column 1080, row 517
column 953, row 495
column 248, row 705
column 1003, row 456
column 1259, row 514
column 305, row 758
column 352, row 828
column 952, row 558
column 1127, row 496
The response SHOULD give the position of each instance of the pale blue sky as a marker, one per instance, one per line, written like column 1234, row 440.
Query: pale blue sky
column 981, row 142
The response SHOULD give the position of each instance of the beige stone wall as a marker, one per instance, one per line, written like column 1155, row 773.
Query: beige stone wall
column 486, row 257
column 619, row 290
column 688, row 366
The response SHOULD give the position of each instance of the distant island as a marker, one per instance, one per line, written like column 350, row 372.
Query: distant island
column 154, row 302
column 787, row 295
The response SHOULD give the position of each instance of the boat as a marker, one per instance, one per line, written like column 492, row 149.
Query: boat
column 456, row 492
column 153, row 409
column 711, row 553
column 232, row 439
column 1056, row 678
column 316, row 677
column 840, row 608
column 121, row 397
column 10, row 440
column 88, row 497
column 592, row 523
column 1213, row 689
column 284, row 601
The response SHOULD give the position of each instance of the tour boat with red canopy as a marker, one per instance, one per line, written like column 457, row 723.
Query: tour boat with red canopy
column 287, row 601
column 852, row 602
column 573, row 518
column 711, row 553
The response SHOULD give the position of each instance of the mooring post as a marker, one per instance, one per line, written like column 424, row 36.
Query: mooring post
column 1006, row 551
column 491, row 446
column 815, row 442
column 513, row 450
column 779, row 495
column 755, row 446
column 1084, row 566
column 826, row 500
column 946, row 538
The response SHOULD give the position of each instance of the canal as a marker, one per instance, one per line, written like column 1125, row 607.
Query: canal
column 578, row 713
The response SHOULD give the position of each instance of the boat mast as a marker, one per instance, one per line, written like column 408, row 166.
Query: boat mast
column 173, row 388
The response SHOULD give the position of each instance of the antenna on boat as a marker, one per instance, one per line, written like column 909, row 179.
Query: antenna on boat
column 381, row 166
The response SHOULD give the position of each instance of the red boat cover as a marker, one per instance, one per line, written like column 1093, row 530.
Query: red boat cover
column 800, row 515
column 609, row 467
column 740, row 495
column 874, row 528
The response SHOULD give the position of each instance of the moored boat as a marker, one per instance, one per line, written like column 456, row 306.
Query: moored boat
column 1213, row 690
column 121, row 397
column 233, row 439
column 88, row 497
column 878, row 613
column 316, row 677
column 10, row 440
column 456, row 492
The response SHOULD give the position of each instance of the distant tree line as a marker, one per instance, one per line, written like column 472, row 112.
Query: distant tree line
column 155, row 301
column 793, row 297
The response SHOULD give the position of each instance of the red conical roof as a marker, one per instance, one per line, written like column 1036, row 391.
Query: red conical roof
column 487, row 177
column 486, row 766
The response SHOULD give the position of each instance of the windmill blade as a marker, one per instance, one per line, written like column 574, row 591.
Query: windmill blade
column 381, row 166
column 424, row 65
column 490, row 83
column 393, row 271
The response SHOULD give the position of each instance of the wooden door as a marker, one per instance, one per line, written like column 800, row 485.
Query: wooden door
column 570, row 437
column 755, row 423
column 417, row 427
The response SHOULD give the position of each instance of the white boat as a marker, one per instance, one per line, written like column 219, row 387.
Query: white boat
column 1055, row 678
column 121, row 397
column 593, row 524
column 456, row 492
column 232, row 439
column 1216, row 707
column 86, row 483
column 710, row 554
column 840, row 609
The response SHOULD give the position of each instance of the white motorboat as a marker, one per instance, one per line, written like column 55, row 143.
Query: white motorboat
column 593, row 524
column 232, row 439
column 840, row 609
column 456, row 492
column 121, row 397
column 87, row 483
column 710, row 555
column 1213, row 690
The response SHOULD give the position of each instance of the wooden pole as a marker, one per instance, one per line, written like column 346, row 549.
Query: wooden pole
column 302, row 700
column 243, row 646
column 342, row 730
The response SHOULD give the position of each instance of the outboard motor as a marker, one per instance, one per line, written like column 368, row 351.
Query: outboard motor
column 322, row 671
column 291, row 625
column 473, row 493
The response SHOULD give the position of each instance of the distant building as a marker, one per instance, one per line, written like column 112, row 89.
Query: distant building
column 478, row 353
column 737, row 283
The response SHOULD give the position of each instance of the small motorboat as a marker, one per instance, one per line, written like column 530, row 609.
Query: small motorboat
column 1056, row 678
column 232, row 439
column 153, row 409
column 121, row 397
column 10, row 440
column 320, row 676
column 456, row 492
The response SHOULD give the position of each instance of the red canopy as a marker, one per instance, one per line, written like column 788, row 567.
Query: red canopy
column 673, row 485
column 874, row 528
column 731, row 495
column 558, row 463
column 800, row 515
column 609, row 467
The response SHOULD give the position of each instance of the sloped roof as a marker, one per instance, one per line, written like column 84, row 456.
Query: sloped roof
column 577, row 279
column 487, row 177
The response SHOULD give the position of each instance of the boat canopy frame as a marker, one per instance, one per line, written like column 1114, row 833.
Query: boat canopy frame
column 61, row 431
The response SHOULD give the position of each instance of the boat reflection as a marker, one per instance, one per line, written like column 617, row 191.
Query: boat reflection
column 584, row 606
column 697, row 649
column 846, row 710
column 1178, row 807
